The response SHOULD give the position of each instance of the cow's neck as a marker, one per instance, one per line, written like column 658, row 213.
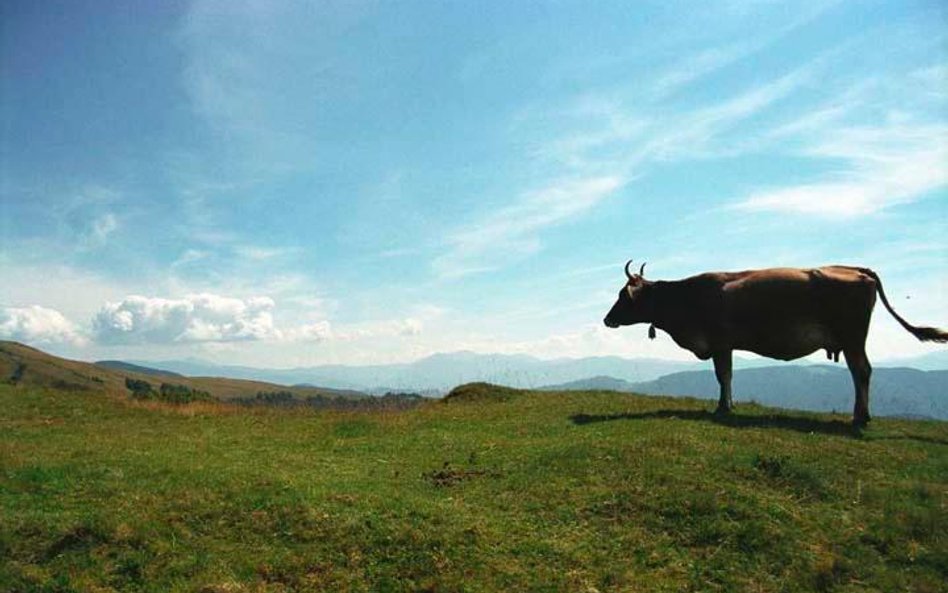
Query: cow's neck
column 663, row 308
column 673, row 312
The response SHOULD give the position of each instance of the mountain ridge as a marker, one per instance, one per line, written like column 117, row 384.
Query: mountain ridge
column 439, row 372
column 895, row 391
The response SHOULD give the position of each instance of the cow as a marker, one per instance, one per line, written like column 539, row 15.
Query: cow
column 781, row 313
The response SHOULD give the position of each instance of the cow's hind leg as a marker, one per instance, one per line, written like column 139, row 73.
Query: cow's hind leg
column 861, row 371
column 722, row 370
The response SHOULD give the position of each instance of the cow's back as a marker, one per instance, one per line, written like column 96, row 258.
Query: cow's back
column 790, row 312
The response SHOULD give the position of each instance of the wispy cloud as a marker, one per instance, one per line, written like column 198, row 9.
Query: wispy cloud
column 99, row 230
column 630, row 146
column 513, row 230
column 259, row 253
column 88, row 218
column 692, row 134
column 697, row 66
column 884, row 166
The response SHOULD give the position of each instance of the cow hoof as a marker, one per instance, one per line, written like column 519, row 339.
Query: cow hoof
column 860, row 423
column 722, row 411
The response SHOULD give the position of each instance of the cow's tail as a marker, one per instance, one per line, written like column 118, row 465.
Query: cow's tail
column 925, row 334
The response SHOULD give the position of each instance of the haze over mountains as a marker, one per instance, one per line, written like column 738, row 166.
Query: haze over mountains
column 897, row 389
column 439, row 373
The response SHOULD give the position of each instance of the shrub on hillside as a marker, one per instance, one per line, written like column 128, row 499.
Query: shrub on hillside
column 140, row 389
column 181, row 394
column 276, row 398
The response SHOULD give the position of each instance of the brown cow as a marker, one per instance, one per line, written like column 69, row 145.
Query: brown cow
column 782, row 313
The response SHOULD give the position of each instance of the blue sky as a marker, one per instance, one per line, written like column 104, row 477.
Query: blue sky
column 293, row 183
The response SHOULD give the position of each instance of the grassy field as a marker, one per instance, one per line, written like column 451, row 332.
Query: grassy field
column 493, row 490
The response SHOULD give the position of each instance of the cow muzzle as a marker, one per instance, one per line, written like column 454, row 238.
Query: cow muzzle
column 610, row 323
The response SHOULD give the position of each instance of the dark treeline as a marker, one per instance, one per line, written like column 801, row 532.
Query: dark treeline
column 289, row 400
column 166, row 392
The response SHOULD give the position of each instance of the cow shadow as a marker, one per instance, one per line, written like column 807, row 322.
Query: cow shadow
column 802, row 424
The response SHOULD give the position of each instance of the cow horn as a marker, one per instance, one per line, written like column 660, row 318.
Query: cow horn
column 642, row 269
column 627, row 272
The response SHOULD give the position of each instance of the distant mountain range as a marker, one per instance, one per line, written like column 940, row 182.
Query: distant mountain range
column 439, row 373
column 894, row 391
column 907, row 392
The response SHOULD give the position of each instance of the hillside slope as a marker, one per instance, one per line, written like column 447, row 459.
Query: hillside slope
column 23, row 365
column 489, row 490
column 120, row 366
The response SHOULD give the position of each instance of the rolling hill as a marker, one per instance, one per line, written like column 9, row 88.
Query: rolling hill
column 23, row 365
column 120, row 366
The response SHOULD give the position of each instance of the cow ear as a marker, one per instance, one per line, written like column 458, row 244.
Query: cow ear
column 630, row 290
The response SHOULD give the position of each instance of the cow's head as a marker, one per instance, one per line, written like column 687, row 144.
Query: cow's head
column 632, row 306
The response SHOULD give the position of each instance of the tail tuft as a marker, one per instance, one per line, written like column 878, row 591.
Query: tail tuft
column 930, row 334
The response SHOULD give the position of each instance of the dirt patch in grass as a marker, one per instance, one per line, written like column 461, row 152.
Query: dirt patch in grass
column 450, row 476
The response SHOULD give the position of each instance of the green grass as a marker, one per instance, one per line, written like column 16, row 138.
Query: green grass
column 521, row 492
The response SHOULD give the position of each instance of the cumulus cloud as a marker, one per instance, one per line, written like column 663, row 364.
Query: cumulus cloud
column 194, row 318
column 209, row 318
column 38, row 325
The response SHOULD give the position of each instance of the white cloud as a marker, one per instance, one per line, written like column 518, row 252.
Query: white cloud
column 194, row 318
column 695, row 67
column 189, row 257
column 210, row 318
column 887, row 165
column 38, row 325
column 257, row 253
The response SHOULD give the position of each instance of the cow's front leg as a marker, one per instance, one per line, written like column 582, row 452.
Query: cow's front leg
column 722, row 370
